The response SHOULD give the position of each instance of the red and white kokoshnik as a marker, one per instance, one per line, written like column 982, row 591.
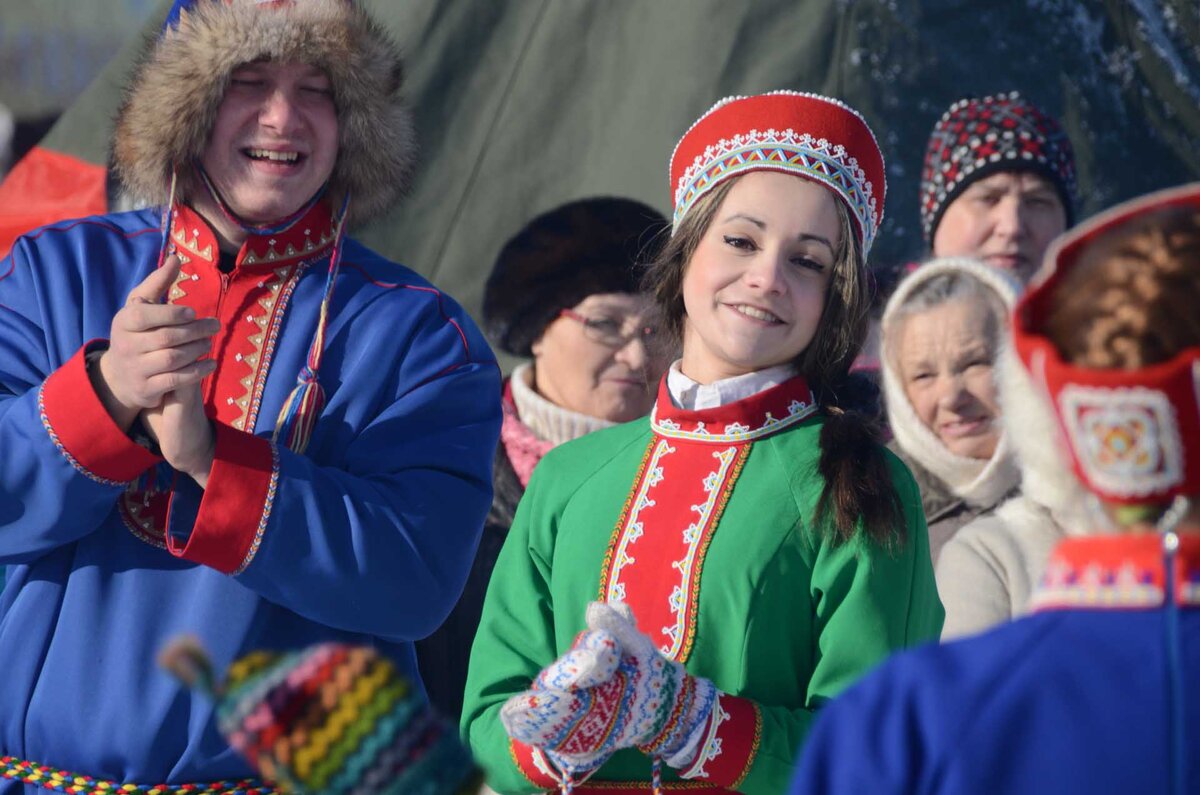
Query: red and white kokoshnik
column 811, row 136
column 1124, row 428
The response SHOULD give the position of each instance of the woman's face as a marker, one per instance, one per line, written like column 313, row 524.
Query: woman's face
column 594, row 360
column 945, row 357
column 755, row 286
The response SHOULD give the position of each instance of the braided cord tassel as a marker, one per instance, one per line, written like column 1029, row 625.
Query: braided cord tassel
column 656, row 775
column 299, row 413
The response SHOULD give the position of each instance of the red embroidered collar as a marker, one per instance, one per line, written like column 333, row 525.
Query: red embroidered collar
column 193, row 239
column 759, row 415
column 1125, row 571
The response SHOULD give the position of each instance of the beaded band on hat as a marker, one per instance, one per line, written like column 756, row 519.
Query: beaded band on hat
column 868, row 225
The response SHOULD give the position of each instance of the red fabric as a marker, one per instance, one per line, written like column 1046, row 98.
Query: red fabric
column 83, row 428
column 47, row 186
column 739, row 737
column 1131, row 433
column 236, row 503
column 522, row 755
column 1114, row 572
column 820, row 117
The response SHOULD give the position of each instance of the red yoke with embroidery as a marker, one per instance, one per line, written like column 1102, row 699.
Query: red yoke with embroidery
column 655, row 560
column 250, row 302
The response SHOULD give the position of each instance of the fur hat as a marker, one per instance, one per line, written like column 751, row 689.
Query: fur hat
column 561, row 257
column 808, row 135
column 329, row 718
column 171, row 102
column 976, row 138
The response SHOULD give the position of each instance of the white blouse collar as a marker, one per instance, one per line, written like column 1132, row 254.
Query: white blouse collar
column 694, row 396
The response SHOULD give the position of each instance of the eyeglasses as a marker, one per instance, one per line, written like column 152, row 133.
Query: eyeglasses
column 611, row 331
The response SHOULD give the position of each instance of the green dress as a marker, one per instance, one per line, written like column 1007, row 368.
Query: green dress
column 702, row 521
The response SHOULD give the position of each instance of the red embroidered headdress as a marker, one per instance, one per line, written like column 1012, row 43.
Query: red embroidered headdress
column 1134, row 435
column 811, row 136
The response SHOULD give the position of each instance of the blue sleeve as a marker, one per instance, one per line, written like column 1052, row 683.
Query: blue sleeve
column 63, row 461
column 382, row 542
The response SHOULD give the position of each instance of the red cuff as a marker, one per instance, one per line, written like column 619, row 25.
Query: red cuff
column 82, row 429
column 236, row 505
column 523, row 758
column 730, row 744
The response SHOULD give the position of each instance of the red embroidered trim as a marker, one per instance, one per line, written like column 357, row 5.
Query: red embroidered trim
column 657, row 528
column 606, row 566
column 82, row 431
column 522, row 757
column 241, row 484
column 702, row 552
column 1119, row 572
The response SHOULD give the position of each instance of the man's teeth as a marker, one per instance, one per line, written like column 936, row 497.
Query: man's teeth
column 267, row 154
column 757, row 314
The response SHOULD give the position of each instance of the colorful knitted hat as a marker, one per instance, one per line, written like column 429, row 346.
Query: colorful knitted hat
column 979, row 137
column 330, row 719
column 811, row 136
column 1133, row 435
column 560, row 258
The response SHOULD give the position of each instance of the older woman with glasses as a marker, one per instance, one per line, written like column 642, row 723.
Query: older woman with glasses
column 564, row 293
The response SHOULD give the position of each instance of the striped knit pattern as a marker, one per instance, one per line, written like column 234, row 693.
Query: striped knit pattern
column 339, row 719
column 613, row 689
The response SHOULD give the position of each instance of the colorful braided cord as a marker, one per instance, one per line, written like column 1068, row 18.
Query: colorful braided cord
column 63, row 781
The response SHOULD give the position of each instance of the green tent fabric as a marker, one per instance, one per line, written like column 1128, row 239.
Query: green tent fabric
column 524, row 104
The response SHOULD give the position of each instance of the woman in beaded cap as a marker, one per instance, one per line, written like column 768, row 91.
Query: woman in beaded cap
column 753, row 548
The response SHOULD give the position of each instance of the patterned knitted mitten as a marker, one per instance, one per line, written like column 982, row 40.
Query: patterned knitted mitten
column 613, row 689
column 330, row 719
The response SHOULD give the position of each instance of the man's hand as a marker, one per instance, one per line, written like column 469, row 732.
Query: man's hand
column 183, row 432
column 154, row 348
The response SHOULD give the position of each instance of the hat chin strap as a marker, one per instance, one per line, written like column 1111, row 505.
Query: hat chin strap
column 269, row 228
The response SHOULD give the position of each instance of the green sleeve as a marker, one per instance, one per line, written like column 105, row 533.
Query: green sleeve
column 514, row 642
column 869, row 600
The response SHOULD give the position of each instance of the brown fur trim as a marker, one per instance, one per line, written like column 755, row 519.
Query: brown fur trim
column 171, row 103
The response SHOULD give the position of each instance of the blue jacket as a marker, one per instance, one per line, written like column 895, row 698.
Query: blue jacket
column 1095, row 693
column 367, row 537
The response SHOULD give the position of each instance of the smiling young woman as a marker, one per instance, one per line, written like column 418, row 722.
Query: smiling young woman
column 753, row 550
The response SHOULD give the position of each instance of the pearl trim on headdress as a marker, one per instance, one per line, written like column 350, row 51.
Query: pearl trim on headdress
column 831, row 157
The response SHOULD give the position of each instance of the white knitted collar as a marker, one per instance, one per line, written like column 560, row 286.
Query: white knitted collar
column 548, row 421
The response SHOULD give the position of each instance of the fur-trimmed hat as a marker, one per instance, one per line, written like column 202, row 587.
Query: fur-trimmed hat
column 817, row 138
column 978, row 137
column 561, row 257
column 171, row 102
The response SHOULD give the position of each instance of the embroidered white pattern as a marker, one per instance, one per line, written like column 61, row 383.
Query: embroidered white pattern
column 692, row 535
column 633, row 529
column 1126, row 439
column 788, row 150
column 734, row 432
column 710, row 746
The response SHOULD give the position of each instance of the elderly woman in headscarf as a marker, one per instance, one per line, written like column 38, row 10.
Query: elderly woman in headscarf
column 942, row 329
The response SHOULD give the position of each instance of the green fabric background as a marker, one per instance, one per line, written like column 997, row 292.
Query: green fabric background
column 524, row 104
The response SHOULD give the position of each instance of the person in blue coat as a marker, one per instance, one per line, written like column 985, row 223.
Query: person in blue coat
column 220, row 416
column 1096, row 690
